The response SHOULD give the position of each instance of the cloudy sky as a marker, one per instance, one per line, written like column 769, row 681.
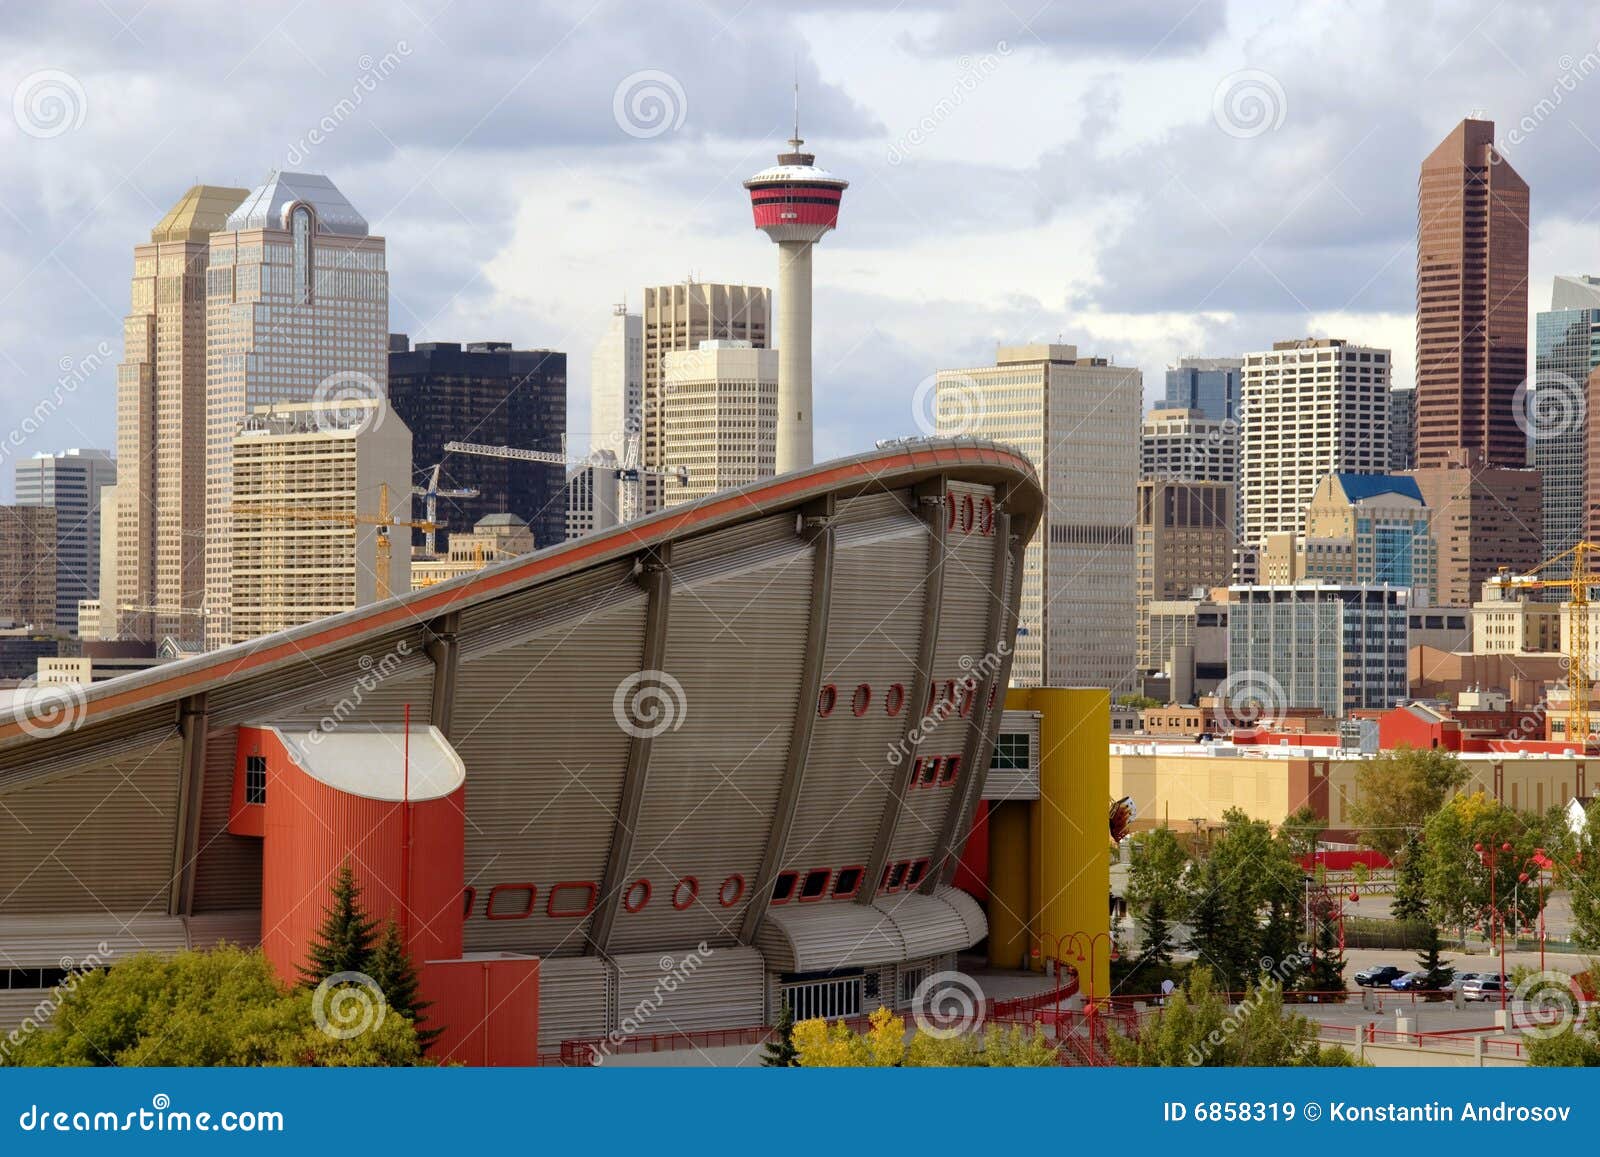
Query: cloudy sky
column 1144, row 179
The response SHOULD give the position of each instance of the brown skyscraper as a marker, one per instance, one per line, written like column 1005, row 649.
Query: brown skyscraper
column 161, row 427
column 1472, row 300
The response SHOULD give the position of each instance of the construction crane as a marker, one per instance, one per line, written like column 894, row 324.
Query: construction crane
column 383, row 520
column 629, row 471
column 431, row 493
column 1580, row 577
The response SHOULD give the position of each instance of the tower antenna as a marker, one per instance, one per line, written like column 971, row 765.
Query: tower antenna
column 795, row 140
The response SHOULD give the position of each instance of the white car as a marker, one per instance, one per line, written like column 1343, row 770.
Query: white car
column 1481, row 988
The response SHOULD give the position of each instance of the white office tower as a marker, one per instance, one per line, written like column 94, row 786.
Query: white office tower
column 616, row 398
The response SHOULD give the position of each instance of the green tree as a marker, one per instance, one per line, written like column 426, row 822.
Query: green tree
column 1155, row 932
column 780, row 1052
column 345, row 939
column 1429, row 961
column 1578, row 1046
column 396, row 976
column 219, row 1007
column 1457, row 878
column 1410, row 885
column 1135, row 700
column 1398, row 790
column 1302, row 829
column 1199, row 1028
column 1222, row 933
column 1157, row 872
column 1325, row 971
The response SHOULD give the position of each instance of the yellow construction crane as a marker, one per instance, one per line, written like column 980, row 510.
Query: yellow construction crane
column 1580, row 578
column 383, row 520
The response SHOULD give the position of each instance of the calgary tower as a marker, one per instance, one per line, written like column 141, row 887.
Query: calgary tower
column 795, row 203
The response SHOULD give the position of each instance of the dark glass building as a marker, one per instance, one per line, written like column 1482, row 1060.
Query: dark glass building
column 1210, row 385
column 489, row 393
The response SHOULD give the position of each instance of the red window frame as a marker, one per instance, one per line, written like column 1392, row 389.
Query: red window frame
column 932, row 770
column 627, row 896
column 949, row 770
column 469, row 897
column 680, row 904
column 827, row 879
column 968, row 514
column 894, row 699
column 827, row 699
column 916, row 872
column 789, row 892
column 969, row 696
column 533, row 898
column 895, row 878
column 593, row 890
column 986, row 521
column 860, row 871
column 861, row 700
column 950, row 505
column 722, row 893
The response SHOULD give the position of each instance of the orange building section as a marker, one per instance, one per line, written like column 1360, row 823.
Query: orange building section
column 391, row 805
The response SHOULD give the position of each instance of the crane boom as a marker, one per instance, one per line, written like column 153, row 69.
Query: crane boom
column 1580, row 578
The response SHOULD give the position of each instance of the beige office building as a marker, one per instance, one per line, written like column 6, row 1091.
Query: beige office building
column 495, row 538
column 297, row 310
column 680, row 317
column 1183, row 539
column 1514, row 622
column 1077, row 419
column 156, row 535
column 1312, row 407
column 28, row 567
column 720, row 404
column 309, row 485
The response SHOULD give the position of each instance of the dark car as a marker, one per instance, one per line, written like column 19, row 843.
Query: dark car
column 1378, row 976
column 1421, row 982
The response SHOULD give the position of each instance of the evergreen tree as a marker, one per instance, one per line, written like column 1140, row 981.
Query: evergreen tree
column 396, row 977
column 344, row 941
column 781, row 1053
column 1326, row 973
column 1439, row 971
column 1156, row 932
column 1410, row 889
column 1222, row 934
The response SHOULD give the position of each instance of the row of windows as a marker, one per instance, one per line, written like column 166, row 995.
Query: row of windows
column 961, row 694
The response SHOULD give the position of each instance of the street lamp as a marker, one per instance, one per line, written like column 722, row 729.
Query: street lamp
column 1541, row 864
column 1488, row 856
column 1087, row 949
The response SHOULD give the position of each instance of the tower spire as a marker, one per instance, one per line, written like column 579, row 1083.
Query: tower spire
column 795, row 141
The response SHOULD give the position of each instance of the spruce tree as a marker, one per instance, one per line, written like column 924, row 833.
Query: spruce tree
column 1326, row 973
column 1156, row 932
column 1410, row 895
column 1439, row 971
column 343, row 942
column 396, row 977
column 780, row 1052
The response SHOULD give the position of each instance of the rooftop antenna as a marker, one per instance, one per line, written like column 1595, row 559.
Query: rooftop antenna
column 795, row 140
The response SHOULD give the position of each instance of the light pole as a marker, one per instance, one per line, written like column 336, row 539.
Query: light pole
column 1488, row 857
column 1541, row 863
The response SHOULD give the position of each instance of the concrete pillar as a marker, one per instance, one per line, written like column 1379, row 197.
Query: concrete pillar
column 794, row 356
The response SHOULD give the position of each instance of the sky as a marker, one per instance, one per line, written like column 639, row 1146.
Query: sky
column 1144, row 180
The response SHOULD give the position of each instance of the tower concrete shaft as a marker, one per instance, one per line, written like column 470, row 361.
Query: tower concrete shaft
column 794, row 356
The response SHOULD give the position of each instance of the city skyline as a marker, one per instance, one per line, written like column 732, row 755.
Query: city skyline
column 938, row 131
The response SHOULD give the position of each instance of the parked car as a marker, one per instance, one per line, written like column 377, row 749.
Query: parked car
column 1459, row 980
column 1410, row 982
column 1482, row 988
column 1377, row 976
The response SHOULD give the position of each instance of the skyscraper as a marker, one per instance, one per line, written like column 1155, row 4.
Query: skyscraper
column 680, row 317
column 297, row 310
column 1566, row 347
column 28, row 568
column 159, row 527
column 616, row 395
column 1312, row 407
column 1077, row 419
column 721, row 410
column 1186, row 446
column 1472, row 300
column 489, row 393
column 1183, row 539
column 795, row 204
column 70, row 484
column 1210, row 385
column 1402, row 428
column 1482, row 518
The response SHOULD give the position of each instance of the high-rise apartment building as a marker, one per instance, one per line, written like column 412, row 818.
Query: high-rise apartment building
column 1183, row 539
column 297, row 310
column 1323, row 645
column 680, row 317
column 1402, row 428
column 594, row 494
column 1472, row 300
column 71, row 484
column 309, row 484
column 1186, row 446
column 616, row 395
column 157, row 537
column 1312, row 407
column 1210, row 385
column 1077, row 419
column 1566, row 347
column 488, row 393
column 28, row 568
column 1482, row 518
column 720, row 404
